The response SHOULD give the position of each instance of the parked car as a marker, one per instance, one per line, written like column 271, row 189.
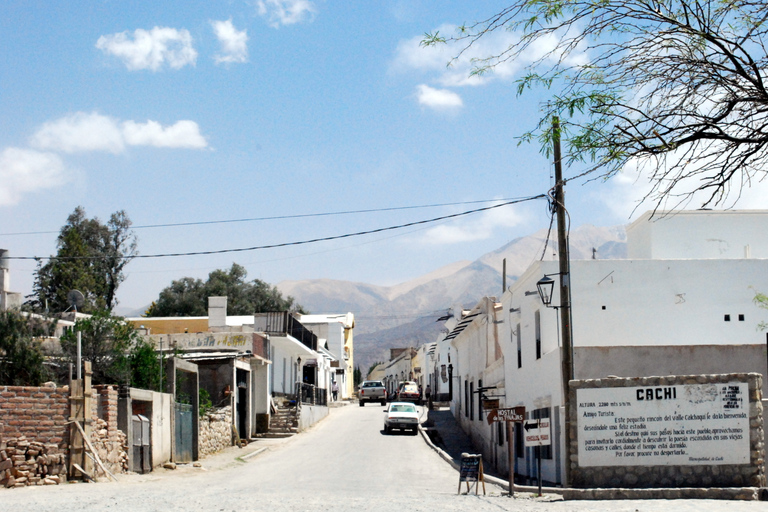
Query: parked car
column 401, row 416
column 372, row 391
column 408, row 392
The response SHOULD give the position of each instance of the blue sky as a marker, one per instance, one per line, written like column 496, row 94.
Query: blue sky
column 202, row 111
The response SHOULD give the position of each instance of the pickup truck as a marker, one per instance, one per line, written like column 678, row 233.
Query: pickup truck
column 372, row 391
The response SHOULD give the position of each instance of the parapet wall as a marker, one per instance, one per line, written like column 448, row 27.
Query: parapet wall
column 675, row 431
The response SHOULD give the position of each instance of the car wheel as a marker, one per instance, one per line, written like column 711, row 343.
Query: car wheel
column 387, row 430
column 383, row 403
column 362, row 403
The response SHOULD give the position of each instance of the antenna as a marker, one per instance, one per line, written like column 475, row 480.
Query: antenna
column 75, row 299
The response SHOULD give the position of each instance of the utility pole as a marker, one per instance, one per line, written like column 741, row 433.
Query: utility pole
column 566, row 368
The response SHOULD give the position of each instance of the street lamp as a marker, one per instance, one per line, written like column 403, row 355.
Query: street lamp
column 546, row 286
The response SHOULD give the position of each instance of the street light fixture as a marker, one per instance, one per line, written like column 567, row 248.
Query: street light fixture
column 546, row 286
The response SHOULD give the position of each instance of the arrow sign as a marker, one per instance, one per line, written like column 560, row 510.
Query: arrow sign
column 528, row 425
column 537, row 432
column 516, row 414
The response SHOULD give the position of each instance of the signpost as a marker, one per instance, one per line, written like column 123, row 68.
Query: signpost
column 510, row 416
column 537, row 434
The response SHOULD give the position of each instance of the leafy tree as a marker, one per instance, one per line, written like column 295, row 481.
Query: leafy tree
column 761, row 300
column 674, row 88
column 357, row 376
column 91, row 258
column 144, row 365
column 21, row 360
column 106, row 342
column 189, row 297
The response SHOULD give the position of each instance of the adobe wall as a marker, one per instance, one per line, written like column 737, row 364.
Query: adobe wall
column 33, row 435
column 665, row 432
column 110, row 443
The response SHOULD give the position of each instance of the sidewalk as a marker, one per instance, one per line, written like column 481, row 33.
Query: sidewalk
column 445, row 433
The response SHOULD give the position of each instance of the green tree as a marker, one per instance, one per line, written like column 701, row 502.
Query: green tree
column 144, row 364
column 673, row 88
column 189, row 297
column 91, row 258
column 106, row 342
column 21, row 360
column 357, row 376
column 762, row 301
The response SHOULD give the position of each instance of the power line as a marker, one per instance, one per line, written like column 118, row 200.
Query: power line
column 288, row 244
column 283, row 217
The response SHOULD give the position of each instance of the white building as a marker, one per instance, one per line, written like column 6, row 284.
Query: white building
column 335, row 336
column 682, row 303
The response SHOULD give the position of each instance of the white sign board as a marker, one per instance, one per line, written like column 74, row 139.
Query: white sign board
column 537, row 432
column 681, row 425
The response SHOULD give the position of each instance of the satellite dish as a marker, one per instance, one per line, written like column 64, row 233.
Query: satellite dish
column 75, row 299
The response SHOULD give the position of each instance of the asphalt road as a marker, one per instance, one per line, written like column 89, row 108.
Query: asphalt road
column 345, row 463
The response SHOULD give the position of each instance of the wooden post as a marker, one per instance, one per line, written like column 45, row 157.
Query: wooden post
column 87, row 412
column 511, row 451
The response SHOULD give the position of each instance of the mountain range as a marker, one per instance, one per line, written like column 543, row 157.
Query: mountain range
column 405, row 314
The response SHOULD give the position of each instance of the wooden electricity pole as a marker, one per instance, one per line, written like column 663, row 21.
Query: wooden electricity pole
column 565, row 295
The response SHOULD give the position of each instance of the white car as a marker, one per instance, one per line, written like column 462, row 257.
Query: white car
column 401, row 416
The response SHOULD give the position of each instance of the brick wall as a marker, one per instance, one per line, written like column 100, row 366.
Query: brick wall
column 38, row 413
column 33, row 435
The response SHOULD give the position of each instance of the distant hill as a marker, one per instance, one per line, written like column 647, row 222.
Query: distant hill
column 405, row 314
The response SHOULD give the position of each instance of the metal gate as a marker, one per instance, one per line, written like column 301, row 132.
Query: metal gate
column 182, row 445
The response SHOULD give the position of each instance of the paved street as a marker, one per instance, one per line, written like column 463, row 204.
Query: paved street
column 345, row 463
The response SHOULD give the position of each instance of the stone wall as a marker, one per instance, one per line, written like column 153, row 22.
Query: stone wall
column 632, row 445
column 109, row 442
column 215, row 431
column 33, row 435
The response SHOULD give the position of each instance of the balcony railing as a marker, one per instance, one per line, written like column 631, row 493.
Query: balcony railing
column 311, row 394
column 282, row 323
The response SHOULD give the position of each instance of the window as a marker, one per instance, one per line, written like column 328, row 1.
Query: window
column 500, row 431
column 466, row 398
column 546, row 451
column 519, row 348
column 519, row 443
column 538, row 334
column 480, row 400
column 471, row 401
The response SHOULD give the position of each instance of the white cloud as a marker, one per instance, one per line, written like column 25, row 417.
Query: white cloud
column 438, row 99
column 150, row 49
column 80, row 132
column 285, row 12
column 83, row 132
column 475, row 227
column 183, row 134
column 23, row 171
column 234, row 43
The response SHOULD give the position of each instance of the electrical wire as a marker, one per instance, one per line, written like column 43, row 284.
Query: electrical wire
column 284, row 244
column 285, row 217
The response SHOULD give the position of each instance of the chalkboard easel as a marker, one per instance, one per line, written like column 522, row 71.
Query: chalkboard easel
column 471, row 470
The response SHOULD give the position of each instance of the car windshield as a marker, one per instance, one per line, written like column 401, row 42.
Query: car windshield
column 410, row 389
column 403, row 408
column 372, row 385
